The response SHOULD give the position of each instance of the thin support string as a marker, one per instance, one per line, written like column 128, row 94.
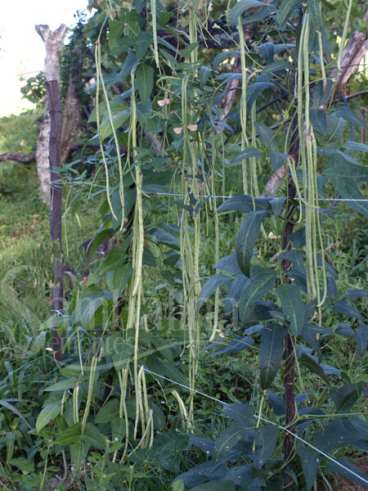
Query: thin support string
column 316, row 449
column 265, row 420
column 215, row 196
column 186, row 387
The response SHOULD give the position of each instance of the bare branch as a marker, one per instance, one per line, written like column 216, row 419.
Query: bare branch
column 22, row 158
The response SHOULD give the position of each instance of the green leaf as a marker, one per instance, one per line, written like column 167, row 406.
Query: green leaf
column 311, row 362
column 266, row 440
column 211, row 285
column 108, row 412
column 178, row 486
column 144, row 81
column 70, row 436
column 61, row 385
column 361, row 338
column 285, row 9
column 346, row 396
column 270, row 355
column 309, row 461
column 293, row 307
column 356, row 146
column 347, row 176
column 48, row 413
column 94, row 438
column 14, row 410
column 215, row 486
column 243, row 6
column 257, row 88
column 243, row 203
column 118, row 119
column 254, row 290
column 24, row 465
column 88, row 305
column 245, row 154
column 247, row 237
column 166, row 236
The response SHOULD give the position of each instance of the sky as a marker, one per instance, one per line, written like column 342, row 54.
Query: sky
column 21, row 48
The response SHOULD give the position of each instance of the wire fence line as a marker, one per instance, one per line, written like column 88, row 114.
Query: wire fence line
column 225, row 197
column 265, row 420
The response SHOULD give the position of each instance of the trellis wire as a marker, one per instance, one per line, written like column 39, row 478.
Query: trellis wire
column 265, row 420
column 215, row 196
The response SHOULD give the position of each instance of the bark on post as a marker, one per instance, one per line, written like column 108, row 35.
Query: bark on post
column 42, row 157
column 53, row 43
column 71, row 119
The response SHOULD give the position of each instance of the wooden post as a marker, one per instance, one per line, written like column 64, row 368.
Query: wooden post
column 53, row 43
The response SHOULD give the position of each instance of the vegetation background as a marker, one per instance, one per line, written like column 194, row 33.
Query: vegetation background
column 191, row 306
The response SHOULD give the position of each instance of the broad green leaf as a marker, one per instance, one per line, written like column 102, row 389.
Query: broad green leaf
column 223, row 347
column 129, row 62
column 211, row 285
column 62, row 385
column 241, row 7
column 118, row 119
column 254, row 290
column 285, row 9
column 240, row 413
column 247, row 237
column 107, row 412
column 166, row 236
column 167, row 450
column 89, row 304
column 178, row 486
column 356, row 146
column 361, row 338
column 270, row 354
column 243, row 473
column 293, row 307
column 345, row 112
column 116, row 31
column 347, row 177
column 214, row 470
column 309, row 460
column 266, row 440
column 144, row 81
column 229, row 264
column 24, row 465
column 48, row 413
column 10, row 407
column 69, row 436
column 122, row 354
column 94, row 438
column 245, row 154
column 346, row 396
column 320, row 369
column 319, row 120
column 257, row 88
column 215, row 486
column 243, row 203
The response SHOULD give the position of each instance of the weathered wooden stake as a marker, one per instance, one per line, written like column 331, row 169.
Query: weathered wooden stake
column 53, row 42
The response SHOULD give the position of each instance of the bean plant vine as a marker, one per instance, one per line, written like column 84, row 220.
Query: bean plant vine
column 227, row 133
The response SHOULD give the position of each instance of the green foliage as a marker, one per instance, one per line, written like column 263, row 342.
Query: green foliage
column 34, row 89
column 82, row 417
column 18, row 133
